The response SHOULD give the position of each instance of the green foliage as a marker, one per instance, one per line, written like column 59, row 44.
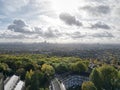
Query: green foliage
column 96, row 78
column 109, row 74
column 88, row 86
column 117, row 82
column 79, row 67
column 21, row 72
column 105, row 77
column 28, row 78
column 62, row 68
column 26, row 65
column 48, row 69
column 3, row 67
column 35, row 81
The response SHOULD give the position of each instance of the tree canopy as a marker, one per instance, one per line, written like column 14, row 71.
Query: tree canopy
column 88, row 86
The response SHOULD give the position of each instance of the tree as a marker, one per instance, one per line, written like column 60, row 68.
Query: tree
column 88, row 86
column 35, row 81
column 116, row 82
column 29, row 66
column 21, row 72
column 96, row 78
column 48, row 69
column 62, row 68
column 18, row 64
column 28, row 78
column 105, row 77
column 109, row 75
column 79, row 67
column 3, row 67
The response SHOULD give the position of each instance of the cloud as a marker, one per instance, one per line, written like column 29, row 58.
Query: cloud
column 11, row 35
column 76, row 35
column 97, row 10
column 117, row 11
column 51, row 33
column 21, row 27
column 36, row 8
column 102, row 35
column 94, row 16
column 12, row 5
column 100, row 25
column 29, row 10
column 69, row 19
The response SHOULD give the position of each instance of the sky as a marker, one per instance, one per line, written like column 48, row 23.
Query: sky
column 60, row 21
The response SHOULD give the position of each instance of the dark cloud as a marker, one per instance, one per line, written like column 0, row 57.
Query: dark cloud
column 100, row 25
column 51, row 33
column 99, row 1
column 97, row 10
column 69, row 19
column 102, row 35
column 21, row 27
column 76, row 35
column 38, row 30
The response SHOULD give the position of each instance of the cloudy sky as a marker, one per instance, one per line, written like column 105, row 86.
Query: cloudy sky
column 61, row 21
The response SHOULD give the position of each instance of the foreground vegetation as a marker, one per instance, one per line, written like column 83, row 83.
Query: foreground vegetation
column 105, row 77
column 37, row 70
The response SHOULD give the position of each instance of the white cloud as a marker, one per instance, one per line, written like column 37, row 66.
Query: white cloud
column 6, row 34
column 81, row 19
column 12, row 5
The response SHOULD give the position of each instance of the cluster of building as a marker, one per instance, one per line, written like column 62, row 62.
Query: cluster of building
column 11, row 83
